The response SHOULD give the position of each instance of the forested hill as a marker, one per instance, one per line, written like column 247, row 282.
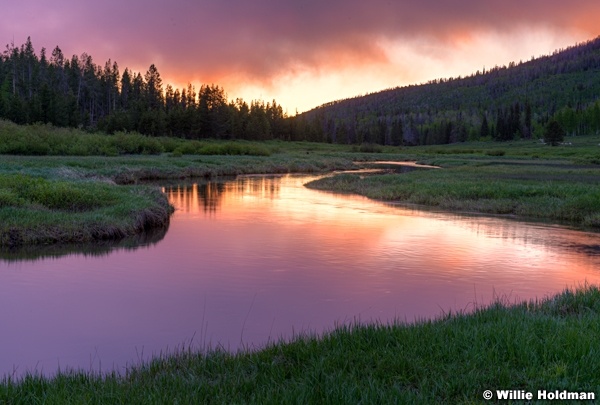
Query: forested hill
column 503, row 103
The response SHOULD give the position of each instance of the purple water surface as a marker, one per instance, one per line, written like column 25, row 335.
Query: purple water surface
column 248, row 261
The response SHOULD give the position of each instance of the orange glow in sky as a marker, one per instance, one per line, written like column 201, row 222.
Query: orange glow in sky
column 403, row 63
column 303, row 54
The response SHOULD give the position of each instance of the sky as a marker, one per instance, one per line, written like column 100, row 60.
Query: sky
column 302, row 53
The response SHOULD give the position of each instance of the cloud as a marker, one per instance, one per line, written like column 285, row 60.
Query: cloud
column 260, row 42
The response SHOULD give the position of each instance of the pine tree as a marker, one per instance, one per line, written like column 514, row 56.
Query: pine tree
column 397, row 133
column 485, row 128
column 555, row 133
column 154, row 90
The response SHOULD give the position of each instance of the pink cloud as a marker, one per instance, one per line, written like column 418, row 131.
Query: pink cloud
column 260, row 41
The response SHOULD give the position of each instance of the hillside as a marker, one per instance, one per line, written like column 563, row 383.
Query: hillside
column 503, row 103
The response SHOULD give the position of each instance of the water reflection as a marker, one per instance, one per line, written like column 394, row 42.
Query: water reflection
column 146, row 239
column 207, row 196
column 246, row 261
column 558, row 238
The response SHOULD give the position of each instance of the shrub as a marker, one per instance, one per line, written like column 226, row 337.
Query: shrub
column 370, row 148
column 554, row 134
column 495, row 152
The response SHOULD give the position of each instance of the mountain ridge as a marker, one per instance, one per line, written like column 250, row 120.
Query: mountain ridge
column 515, row 101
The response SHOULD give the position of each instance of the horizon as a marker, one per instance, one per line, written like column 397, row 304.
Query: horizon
column 303, row 55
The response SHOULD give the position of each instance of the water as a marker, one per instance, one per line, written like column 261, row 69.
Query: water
column 247, row 261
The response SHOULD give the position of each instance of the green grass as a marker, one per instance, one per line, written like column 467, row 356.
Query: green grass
column 67, row 191
column 562, row 186
column 76, row 199
column 46, row 140
column 135, row 168
column 549, row 344
column 559, row 194
column 34, row 210
column 521, row 178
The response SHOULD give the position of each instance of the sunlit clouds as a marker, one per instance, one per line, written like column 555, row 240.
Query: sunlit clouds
column 303, row 53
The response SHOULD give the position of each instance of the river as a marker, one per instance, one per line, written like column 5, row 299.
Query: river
column 250, row 260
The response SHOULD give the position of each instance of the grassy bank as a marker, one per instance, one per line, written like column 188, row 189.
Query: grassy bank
column 551, row 344
column 558, row 193
column 76, row 199
column 34, row 210
column 562, row 186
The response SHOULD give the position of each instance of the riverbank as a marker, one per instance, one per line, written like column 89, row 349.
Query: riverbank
column 34, row 210
column 560, row 193
column 563, row 185
column 549, row 345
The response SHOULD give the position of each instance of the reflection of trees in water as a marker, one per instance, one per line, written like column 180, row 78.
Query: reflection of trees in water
column 204, row 196
column 100, row 248
column 208, row 196
column 259, row 186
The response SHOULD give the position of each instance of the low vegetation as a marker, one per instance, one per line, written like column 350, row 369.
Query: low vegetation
column 521, row 178
column 549, row 344
column 66, row 185
column 497, row 188
column 524, row 179
column 34, row 210
column 45, row 139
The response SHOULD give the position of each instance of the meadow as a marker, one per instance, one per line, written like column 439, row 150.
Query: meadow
column 555, row 191
column 93, row 188
column 523, row 179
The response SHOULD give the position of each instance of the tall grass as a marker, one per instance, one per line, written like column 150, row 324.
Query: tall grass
column 41, row 140
column 224, row 148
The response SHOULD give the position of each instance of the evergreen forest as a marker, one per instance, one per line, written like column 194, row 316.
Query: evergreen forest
column 502, row 103
column 76, row 92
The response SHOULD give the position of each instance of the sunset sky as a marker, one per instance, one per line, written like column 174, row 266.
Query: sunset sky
column 302, row 53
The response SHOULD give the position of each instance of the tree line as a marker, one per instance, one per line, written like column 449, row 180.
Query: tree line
column 502, row 103
column 76, row 92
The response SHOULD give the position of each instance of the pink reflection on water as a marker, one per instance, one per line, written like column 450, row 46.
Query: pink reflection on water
column 248, row 261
